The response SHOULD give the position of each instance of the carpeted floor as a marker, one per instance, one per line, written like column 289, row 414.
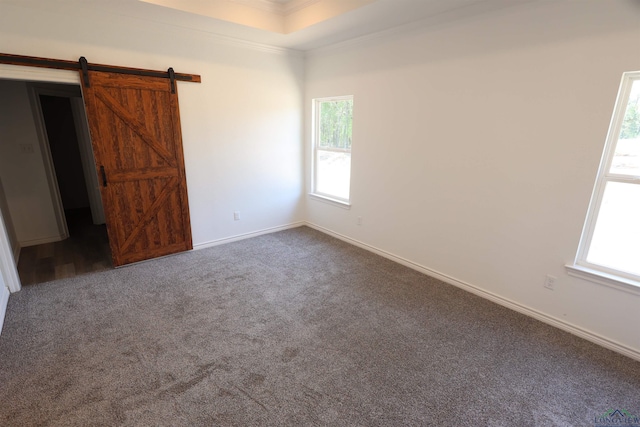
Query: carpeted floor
column 292, row 329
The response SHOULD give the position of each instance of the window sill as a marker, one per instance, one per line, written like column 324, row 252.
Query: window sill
column 331, row 201
column 606, row 279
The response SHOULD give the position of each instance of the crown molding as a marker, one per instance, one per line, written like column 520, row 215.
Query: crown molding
column 424, row 24
column 221, row 39
column 232, row 41
column 264, row 5
column 297, row 5
column 361, row 40
column 237, row 42
column 273, row 6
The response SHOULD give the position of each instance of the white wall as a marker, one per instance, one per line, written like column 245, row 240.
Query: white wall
column 476, row 141
column 476, row 144
column 241, row 126
column 22, row 173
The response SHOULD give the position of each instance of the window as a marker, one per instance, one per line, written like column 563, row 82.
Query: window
column 610, row 242
column 332, row 129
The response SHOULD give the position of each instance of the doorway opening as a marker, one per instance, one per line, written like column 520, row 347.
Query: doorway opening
column 79, row 244
column 147, row 203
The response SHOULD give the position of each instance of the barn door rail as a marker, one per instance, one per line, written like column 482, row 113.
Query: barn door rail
column 84, row 67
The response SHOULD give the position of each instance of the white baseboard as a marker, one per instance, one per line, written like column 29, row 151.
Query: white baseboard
column 42, row 241
column 550, row 320
column 238, row 237
column 4, row 300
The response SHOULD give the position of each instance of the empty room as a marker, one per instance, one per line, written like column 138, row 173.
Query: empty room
column 320, row 212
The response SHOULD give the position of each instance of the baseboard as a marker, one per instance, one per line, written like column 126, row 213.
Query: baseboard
column 550, row 320
column 42, row 241
column 4, row 300
column 238, row 237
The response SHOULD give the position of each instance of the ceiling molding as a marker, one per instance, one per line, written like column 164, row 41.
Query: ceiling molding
column 358, row 41
column 215, row 37
column 264, row 5
column 308, row 25
column 296, row 6
column 277, row 7
column 424, row 24
column 233, row 41
column 276, row 16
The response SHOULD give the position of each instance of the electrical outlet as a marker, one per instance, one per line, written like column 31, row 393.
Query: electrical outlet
column 359, row 220
column 550, row 282
column 236, row 216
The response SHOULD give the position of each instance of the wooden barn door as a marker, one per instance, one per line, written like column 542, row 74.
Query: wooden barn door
column 135, row 130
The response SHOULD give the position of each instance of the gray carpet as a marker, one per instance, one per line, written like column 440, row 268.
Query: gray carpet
column 292, row 329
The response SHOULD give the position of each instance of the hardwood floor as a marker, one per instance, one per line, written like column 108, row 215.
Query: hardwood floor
column 85, row 251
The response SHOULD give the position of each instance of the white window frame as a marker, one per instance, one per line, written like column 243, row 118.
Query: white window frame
column 344, row 203
column 581, row 267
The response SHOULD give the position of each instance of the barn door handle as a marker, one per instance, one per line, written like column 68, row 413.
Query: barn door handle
column 104, row 176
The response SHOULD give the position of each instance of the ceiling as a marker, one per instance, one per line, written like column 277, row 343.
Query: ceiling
column 300, row 25
column 278, row 16
column 306, row 24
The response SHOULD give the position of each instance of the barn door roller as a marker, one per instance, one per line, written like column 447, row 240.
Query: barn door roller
column 172, row 79
column 85, row 71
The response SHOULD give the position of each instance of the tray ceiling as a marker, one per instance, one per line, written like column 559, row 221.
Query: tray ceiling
column 278, row 16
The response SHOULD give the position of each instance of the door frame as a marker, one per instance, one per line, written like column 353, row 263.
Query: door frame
column 47, row 159
column 8, row 267
column 88, row 159
column 74, row 94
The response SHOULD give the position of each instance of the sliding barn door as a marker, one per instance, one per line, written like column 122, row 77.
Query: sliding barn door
column 135, row 131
